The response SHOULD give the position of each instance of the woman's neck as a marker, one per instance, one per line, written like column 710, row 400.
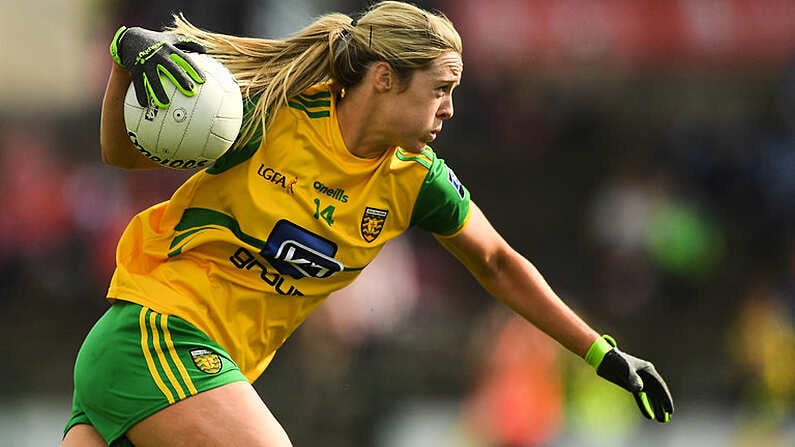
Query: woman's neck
column 359, row 125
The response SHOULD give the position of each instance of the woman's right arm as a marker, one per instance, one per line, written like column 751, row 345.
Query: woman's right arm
column 117, row 149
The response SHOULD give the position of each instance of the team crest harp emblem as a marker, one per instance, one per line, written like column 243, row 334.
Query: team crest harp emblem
column 372, row 223
column 207, row 361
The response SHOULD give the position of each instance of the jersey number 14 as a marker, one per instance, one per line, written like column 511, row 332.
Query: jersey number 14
column 327, row 213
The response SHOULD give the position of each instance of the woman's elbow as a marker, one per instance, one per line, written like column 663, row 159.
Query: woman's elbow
column 126, row 157
column 107, row 158
column 492, row 267
column 111, row 157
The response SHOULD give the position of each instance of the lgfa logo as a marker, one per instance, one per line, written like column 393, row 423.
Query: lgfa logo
column 277, row 178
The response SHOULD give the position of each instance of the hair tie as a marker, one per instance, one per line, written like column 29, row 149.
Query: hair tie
column 346, row 37
column 342, row 44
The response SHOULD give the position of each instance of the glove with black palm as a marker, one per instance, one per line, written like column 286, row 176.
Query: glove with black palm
column 146, row 54
column 636, row 375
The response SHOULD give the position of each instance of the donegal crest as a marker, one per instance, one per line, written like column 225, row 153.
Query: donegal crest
column 207, row 361
column 372, row 223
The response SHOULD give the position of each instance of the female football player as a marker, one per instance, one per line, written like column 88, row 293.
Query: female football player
column 331, row 163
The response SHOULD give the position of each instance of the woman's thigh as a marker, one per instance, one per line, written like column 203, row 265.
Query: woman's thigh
column 83, row 435
column 136, row 363
column 230, row 415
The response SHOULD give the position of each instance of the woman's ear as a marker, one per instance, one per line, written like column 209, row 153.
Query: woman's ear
column 382, row 76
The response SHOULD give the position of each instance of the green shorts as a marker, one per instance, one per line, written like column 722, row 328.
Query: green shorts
column 134, row 362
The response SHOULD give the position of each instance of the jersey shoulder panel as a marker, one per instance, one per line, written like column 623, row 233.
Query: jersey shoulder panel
column 313, row 104
column 442, row 205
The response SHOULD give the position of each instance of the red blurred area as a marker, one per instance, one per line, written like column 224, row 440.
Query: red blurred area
column 643, row 34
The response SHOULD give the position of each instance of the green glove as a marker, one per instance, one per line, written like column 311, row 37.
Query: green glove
column 146, row 54
column 633, row 374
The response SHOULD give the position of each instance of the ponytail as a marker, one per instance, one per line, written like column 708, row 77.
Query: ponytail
column 334, row 48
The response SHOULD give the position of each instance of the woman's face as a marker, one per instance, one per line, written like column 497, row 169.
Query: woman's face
column 417, row 111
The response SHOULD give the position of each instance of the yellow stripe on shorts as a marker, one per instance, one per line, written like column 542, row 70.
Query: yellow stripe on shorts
column 183, row 372
column 162, row 357
column 150, row 362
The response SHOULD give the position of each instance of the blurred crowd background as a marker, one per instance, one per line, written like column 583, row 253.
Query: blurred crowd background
column 640, row 153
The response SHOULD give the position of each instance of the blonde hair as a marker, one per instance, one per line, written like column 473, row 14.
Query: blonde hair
column 334, row 48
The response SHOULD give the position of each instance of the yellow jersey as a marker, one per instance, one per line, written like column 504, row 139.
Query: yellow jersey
column 246, row 248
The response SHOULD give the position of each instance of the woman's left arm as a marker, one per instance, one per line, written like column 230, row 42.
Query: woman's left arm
column 512, row 279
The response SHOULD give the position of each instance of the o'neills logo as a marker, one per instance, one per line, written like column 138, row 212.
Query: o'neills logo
column 176, row 164
column 372, row 223
column 334, row 193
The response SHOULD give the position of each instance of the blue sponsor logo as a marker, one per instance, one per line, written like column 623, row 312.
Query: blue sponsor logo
column 297, row 252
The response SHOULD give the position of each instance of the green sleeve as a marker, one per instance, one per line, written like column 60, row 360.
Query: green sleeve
column 442, row 205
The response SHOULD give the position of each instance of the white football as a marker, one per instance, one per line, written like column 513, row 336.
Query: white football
column 194, row 130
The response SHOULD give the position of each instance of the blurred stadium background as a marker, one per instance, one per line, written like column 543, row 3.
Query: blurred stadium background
column 640, row 153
